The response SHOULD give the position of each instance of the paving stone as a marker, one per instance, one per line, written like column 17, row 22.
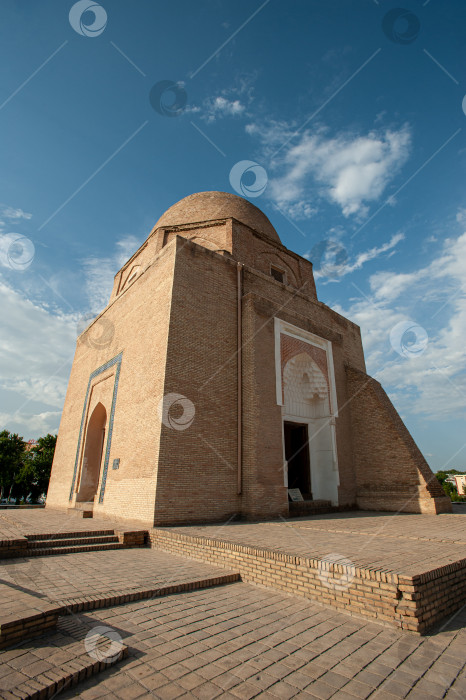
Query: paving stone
column 245, row 691
column 206, row 691
column 336, row 680
column 191, row 680
column 131, row 692
column 92, row 693
column 12, row 680
column 321, row 690
column 169, row 692
column 210, row 671
column 358, row 689
column 292, row 646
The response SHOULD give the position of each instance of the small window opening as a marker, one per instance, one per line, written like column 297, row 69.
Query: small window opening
column 277, row 274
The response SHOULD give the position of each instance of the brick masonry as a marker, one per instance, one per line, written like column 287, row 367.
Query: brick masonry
column 172, row 321
column 245, row 642
column 412, row 603
column 35, row 592
column 405, row 482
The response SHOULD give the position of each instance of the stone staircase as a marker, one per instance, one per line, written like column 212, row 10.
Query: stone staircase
column 70, row 542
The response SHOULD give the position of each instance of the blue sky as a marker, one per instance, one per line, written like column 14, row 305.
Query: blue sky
column 355, row 114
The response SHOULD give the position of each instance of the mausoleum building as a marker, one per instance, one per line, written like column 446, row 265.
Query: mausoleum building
column 215, row 382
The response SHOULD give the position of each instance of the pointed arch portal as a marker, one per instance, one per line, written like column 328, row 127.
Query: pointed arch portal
column 309, row 430
column 93, row 453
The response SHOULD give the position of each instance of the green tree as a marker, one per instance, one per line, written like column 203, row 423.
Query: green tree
column 33, row 478
column 12, row 455
column 449, row 488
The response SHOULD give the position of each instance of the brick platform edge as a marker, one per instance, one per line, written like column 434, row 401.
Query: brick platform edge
column 413, row 603
column 41, row 680
column 18, row 628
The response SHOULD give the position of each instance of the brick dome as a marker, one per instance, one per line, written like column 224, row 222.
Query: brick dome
column 207, row 206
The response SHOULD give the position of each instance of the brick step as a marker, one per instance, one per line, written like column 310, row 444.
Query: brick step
column 71, row 549
column 310, row 507
column 31, row 617
column 68, row 535
column 63, row 542
column 87, row 656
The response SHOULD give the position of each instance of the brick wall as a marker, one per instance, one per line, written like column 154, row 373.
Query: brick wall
column 391, row 472
column 198, row 465
column 410, row 603
column 139, row 317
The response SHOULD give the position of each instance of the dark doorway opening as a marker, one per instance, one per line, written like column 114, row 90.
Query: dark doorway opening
column 297, row 456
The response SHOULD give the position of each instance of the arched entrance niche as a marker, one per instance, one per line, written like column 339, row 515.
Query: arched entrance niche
column 309, row 430
column 93, row 453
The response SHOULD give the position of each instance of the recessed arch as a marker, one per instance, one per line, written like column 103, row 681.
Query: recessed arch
column 305, row 388
column 263, row 260
column 93, row 453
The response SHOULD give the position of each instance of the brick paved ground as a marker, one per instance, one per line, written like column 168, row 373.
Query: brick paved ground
column 403, row 543
column 408, row 544
column 239, row 641
column 21, row 522
column 61, row 578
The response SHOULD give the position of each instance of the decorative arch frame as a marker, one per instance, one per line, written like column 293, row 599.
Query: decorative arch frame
column 322, row 444
column 114, row 361
column 283, row 328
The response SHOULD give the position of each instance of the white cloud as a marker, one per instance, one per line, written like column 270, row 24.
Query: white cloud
column 100, row 272
column 36, row 351
column 221, row 106
column 218, row 107
column 37, row 344
column 15, row 214
column 233, row 101
column 350, row 170
column 37, row 424
column 9, row 217
column 373, row 253
column 432, row 384
column 387, row 286
column 335, row 260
